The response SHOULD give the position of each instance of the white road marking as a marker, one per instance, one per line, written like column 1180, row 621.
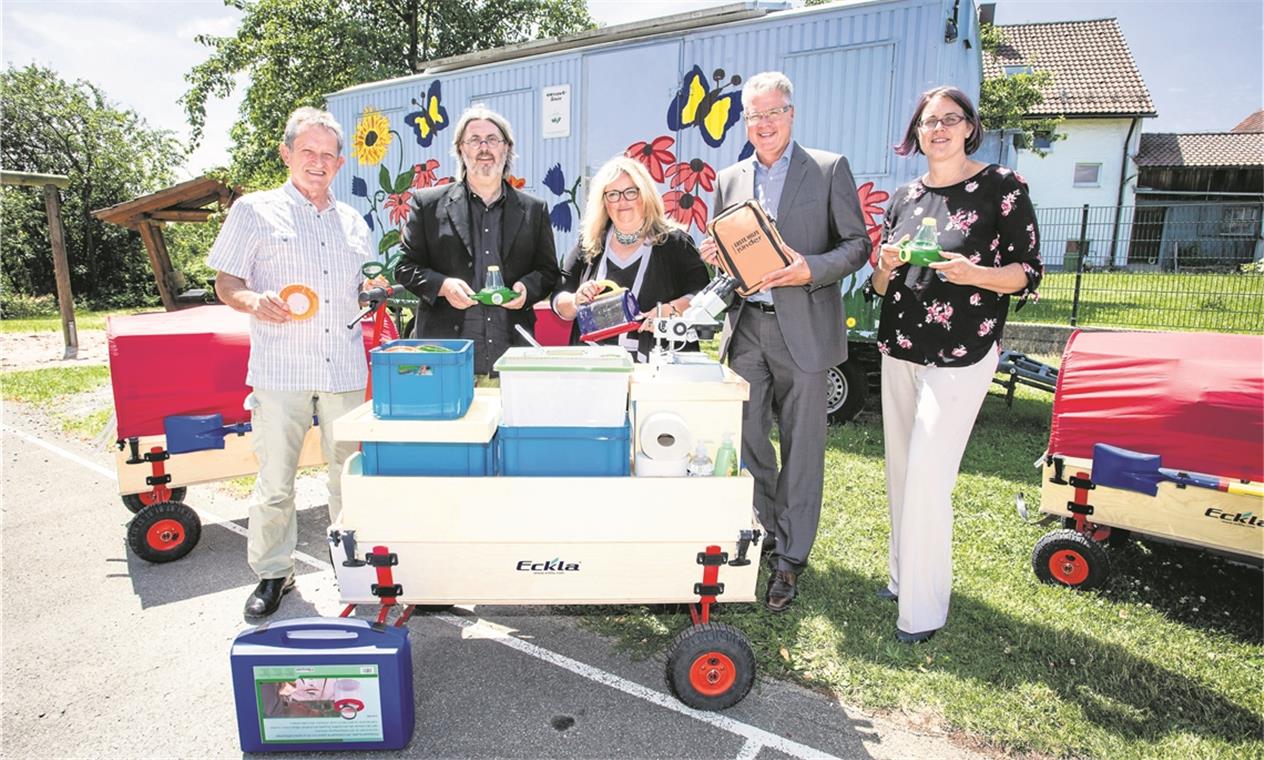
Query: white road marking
column 756, row 738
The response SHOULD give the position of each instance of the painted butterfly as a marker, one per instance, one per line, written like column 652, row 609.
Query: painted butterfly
column 431, row 119
column 710, row 110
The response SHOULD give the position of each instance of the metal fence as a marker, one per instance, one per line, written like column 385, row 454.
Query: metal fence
column 1176, row 266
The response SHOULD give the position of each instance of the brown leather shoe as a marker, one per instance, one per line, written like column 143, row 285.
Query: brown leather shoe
column 781, row 590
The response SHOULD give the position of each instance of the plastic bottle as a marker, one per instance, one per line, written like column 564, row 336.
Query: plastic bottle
column 496, row 282
column 726, row 458
column 924, row 247
column 700, row 465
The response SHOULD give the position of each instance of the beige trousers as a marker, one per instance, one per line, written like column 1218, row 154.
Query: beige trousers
column 279, row 423
column 927, row 416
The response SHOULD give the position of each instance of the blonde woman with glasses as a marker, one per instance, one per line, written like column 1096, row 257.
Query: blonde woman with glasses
column 625, row 237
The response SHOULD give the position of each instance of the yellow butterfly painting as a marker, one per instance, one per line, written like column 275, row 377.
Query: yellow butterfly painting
column 430, row 119
column 710, row 110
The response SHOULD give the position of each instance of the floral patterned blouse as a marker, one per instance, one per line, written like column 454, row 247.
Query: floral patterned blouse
column 989, row 219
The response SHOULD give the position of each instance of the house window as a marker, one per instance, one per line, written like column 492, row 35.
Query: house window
column 1239, row 221
column 1042, row 140
column 1015, row 70
column 1088, row 175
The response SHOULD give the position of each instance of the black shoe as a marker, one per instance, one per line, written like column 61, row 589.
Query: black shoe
column 266, row 597
column 887, row 594
column 914, row 638
column 781, row 590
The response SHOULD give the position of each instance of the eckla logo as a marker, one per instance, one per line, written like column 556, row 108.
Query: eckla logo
column 554, row 565
column 1239, row 518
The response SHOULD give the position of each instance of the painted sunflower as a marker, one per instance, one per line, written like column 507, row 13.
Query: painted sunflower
column 372, row 137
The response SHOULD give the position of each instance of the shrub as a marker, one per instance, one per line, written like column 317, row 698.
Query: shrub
column 21, row 306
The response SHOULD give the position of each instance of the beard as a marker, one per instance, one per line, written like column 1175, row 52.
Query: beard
column 486, row 170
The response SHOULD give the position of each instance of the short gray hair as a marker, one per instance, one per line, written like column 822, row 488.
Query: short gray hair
column 305, row 117
column 767, row 81
column 480, row 111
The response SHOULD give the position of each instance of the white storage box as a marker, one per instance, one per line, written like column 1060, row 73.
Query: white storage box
column 564, row 386
column 709, row 410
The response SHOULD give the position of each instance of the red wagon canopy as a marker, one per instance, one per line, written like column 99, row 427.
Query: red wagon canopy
column 1196, row 399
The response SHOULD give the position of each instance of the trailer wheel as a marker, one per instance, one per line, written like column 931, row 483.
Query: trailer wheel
column 846, row 388
column 1070, row 559
column 164, row 532
column 135, row 502
column 710, row 666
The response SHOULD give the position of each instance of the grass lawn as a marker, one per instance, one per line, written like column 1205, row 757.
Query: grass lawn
column 1165, row 661
column 1153, row 300
column 52, row 390
column 84, row 320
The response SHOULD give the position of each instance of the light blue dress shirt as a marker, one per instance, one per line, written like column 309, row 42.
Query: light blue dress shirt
column 769, row 182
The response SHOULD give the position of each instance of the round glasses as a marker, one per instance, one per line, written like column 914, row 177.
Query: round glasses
column 951, row 120
column 628, row 194
column 493, row 141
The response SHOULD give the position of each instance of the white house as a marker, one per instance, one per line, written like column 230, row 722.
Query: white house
column 1098, row 90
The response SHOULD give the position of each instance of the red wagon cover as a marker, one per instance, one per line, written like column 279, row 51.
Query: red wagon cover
column 1196, row 399
column 184, row 362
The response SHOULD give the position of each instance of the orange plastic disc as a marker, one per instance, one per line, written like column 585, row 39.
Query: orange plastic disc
column 301, row 300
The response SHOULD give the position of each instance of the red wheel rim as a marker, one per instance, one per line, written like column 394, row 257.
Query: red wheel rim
column 1069, row 567
column 712, row 674
column 165, row 535
column 156, row 496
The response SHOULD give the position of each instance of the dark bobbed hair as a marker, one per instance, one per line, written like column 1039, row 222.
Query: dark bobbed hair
column 910, row 144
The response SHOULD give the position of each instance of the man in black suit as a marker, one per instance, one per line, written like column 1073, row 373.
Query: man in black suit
column 455, row 232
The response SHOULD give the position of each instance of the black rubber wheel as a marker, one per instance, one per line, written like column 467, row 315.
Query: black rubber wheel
column 846, row 388
column 1070, row 559
column 710, row 666
column 135, row 502
column 164, row 532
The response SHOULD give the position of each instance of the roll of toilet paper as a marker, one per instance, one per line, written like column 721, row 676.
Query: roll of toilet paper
column 660, row 468
column 665, row 436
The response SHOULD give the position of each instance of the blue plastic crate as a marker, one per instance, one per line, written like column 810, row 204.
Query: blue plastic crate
column 565, row 451
column 323, row 684
column 441, row 459
column 421, row 385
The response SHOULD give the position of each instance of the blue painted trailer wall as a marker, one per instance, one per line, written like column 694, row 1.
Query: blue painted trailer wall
column 858, row 69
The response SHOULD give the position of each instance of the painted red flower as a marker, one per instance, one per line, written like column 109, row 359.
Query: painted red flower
column 870, row 209
column 424, row 174
column 686, row 208
column 397, row 205
column 516, row 183
column 445, row 181
column 655, row 154
column 690, row 175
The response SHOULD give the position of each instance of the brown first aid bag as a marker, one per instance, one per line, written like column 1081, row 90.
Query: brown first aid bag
column 750, row 246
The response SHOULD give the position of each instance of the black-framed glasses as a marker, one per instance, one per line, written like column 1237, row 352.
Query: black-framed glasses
column 493, row 141
column 951, row 120
column 753, row 116
column 627, row 194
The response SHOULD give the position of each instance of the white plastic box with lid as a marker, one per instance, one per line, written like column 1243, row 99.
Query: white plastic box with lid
column 708, row 409
column 564, row 386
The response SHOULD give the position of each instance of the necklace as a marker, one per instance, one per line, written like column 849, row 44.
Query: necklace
column 626, row 238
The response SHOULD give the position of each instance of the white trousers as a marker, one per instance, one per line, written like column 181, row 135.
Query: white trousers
column 279, row 422
column 927, row 415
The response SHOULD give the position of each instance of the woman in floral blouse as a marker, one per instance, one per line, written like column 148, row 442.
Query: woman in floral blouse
column 938, row 336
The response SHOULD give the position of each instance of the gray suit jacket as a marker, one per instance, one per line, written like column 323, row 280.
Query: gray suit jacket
column 818, row 216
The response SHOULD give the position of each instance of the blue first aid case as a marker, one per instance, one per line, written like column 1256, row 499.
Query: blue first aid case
column 323, row 684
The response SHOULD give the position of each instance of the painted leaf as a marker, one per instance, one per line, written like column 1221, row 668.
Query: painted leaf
column 560, row 216
column 403, row 181
column 368, row 219
column 384, row 180
column 388, row 241
column 359, row 187
column 555, row 181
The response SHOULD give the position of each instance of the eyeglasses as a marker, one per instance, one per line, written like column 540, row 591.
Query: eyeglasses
column 492, row 141
column 627, row 194
column 754, row 116
column 951, row 120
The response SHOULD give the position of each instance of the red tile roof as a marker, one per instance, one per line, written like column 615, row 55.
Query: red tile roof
column 1252, row 123
column 1202, row 149
column 1092, row 67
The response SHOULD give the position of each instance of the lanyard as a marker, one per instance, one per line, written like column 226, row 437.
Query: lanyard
column 629, row 341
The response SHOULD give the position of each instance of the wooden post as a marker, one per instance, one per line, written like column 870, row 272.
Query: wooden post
column 61, row 271
column 156, row 260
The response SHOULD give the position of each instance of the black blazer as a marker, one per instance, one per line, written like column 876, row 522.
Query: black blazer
column 436, row 243
column 675, row 269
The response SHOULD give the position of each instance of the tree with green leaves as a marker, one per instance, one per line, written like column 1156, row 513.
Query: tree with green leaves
column 1006, row 101
column 110, row 155
column 297, row 51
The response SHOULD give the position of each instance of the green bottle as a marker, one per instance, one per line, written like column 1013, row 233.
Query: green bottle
column 494, row 292
column 924, row 248
column 726, row 458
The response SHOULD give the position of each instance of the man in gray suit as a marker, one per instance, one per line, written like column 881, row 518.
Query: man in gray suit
column 784, row 338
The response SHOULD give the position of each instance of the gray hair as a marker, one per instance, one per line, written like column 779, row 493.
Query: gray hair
column 305, row 117
column 480, row 111
column 767, row 81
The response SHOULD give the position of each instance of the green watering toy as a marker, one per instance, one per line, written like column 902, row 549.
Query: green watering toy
column 494, row 293
column 924, row 248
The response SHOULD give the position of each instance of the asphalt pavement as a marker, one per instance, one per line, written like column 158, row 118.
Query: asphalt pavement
column 108, row 656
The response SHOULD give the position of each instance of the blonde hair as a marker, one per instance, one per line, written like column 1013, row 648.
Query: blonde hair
column 480, row 111
column 592, row 234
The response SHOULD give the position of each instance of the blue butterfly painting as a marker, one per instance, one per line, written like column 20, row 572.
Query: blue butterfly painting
column 432, row 117
column 712, row 111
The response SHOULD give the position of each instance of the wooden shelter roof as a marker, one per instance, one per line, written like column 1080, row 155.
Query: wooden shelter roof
column 185, row 202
